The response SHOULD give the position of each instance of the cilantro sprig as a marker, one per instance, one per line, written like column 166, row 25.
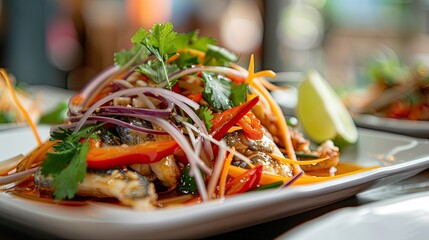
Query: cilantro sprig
column 67, row 163
column 159, row 41
column 221, row 93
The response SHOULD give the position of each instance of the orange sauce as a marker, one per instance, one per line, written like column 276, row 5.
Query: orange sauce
column 340, row 169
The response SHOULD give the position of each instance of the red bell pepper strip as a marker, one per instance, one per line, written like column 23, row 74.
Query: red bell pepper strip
column 245, row 182
column 114, row 156
column 196, row 97
column 251, row 126
column 224, row 121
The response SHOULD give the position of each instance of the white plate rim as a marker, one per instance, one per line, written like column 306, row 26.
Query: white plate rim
column 183, row 218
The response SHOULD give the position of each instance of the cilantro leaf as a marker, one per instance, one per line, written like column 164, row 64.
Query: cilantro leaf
column 217, row 90
column 186, row 60
column 218, row 56
column 192, row 40
column 206, row 115
column 55, row 162
column 159, row 40
column 67, row 181
column 238, row 93
column 123, row 57
column 154, row 70
column 67, row 164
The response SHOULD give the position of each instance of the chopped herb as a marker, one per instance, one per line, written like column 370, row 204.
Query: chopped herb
column 238, row 93
column 154, row 70
column 187, row 60
column 217, row 90
column 187, row 184
column 123, row 57
column 207, row 116
column 219, row 56
column 159, row 41
column 194, row 41
column 67, row 164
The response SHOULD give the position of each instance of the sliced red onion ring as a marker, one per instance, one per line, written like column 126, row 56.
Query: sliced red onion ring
column 193, row 158
column 292, row 180
column 163, row 113
column 90, row 88
column 17, row 176
column 127, row 125
column 177, row 98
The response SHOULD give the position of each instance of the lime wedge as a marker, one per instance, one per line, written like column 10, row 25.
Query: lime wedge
column 322, row 114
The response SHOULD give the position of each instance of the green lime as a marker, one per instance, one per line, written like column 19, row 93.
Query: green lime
column 322, row 114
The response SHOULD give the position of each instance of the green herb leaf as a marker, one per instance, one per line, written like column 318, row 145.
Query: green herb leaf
column 154, row 70
column 238, row 93
column 187, row 60
column 159, row 40
column 217, row 90
column 123, row 57
column 194, row 41
column 67, row 164
column 187, row 184
column 67, row 181
column 218, row 56
column 206, row 115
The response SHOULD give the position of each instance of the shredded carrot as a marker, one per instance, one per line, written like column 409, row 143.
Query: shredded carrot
column 36, row 156
column 224, row 174
column 264, row 73
column 301, row 162
column 173, row 58
column 251, row 70
column 268, row 178
column 20, row 107
column 278, row 114
column 270, row 86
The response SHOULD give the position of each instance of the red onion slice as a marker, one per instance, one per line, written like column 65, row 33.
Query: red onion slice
column 127, row 125
column 118, row 110
column 17, row 176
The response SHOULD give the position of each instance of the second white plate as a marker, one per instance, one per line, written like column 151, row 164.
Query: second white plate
column 406, row 127
column 405, row 217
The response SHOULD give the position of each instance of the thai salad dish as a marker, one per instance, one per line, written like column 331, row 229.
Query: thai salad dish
column 395, row 89
column 174, row 121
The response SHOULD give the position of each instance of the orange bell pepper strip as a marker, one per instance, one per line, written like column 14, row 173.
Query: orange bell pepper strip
column 114, row 156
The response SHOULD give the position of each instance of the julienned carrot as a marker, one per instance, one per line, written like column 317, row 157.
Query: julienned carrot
column 268, row 178
column 278, row 114
column 20, row 107
column 300, row 162
column 224, row 174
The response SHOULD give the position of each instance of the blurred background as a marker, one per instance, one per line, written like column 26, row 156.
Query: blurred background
column 64, row 43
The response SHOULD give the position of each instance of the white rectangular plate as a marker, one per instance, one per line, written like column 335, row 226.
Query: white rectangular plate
column 400, row 156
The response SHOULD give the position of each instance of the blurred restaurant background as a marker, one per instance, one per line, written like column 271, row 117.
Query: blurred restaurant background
column 64, row 43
